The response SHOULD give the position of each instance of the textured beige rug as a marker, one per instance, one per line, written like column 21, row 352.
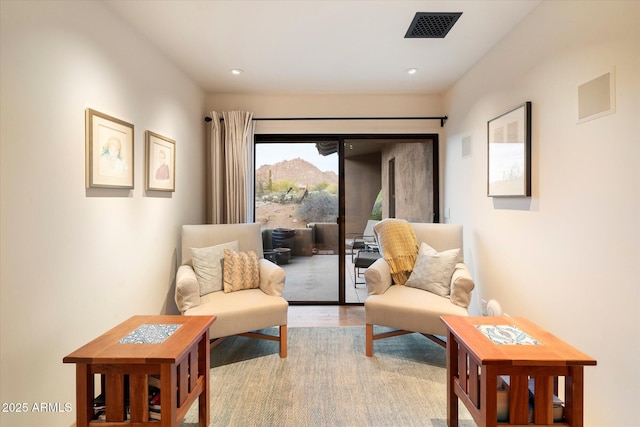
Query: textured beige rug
column 328, row 381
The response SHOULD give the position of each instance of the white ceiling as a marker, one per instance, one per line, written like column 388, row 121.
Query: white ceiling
column 311, row 47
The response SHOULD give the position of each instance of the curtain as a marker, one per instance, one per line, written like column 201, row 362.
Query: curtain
column 230, row 168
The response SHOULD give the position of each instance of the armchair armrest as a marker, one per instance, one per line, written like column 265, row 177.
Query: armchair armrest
column 461, row 285
column 378, row 277
column 187, row 290
column 272, row 278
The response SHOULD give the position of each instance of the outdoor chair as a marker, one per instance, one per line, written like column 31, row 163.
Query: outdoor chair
column 220, row 276
column 357, row 241
column 363, row 260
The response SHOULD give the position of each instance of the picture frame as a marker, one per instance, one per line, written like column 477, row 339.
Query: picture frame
column 108, row 151
column 509, row 153
column 160, row 163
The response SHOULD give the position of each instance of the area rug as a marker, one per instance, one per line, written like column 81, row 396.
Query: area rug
column 328, row 381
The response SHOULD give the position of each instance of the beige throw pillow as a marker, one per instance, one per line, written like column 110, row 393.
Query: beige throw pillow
column 433, row 270
column 207, row 264
column 241, row 271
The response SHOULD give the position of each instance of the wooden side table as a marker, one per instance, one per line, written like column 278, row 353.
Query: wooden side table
column 174, row 347
column 475, row 361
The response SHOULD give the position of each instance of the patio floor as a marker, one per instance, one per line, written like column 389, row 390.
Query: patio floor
column 315, row 278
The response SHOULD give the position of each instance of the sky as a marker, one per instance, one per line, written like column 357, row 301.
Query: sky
column 269, row 154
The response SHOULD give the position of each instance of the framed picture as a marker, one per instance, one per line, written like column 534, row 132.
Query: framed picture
column 109, row 151
column 161, row 163
column 509, row 142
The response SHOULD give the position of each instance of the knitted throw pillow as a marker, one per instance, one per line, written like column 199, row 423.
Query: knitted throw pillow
column 241, row 271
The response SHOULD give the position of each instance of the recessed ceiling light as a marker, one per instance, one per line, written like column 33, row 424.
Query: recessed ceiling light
column 411, row 70
column 236, row 71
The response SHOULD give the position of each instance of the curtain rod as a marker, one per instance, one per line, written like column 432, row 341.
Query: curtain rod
column 442, row 119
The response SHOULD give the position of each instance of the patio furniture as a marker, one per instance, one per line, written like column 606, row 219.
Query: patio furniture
column 363, row 259
column 357, row 241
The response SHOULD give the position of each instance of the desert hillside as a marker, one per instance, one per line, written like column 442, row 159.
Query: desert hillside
column 301, row 172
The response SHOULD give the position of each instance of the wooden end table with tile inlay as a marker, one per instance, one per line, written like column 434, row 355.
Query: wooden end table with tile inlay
column 174, row 347
column 482, row 349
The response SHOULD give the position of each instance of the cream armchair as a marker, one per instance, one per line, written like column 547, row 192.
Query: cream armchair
column 408, row 309
column 242, row 312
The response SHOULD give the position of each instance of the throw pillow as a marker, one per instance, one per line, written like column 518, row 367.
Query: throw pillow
column 207, row 264
column 433, row 270
column 241, row 271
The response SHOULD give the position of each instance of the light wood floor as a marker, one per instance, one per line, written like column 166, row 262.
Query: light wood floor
column 325, row 316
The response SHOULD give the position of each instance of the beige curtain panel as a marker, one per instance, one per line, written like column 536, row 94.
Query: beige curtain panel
column 229, row 168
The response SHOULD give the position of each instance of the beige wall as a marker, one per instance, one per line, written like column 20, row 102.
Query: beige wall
column 569, row 257
column 75, row 262
column 268, row 106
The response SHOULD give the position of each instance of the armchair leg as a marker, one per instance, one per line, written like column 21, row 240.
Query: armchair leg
column 283, row 341
column 215, row 341
column 369, row 340
column 282, row 338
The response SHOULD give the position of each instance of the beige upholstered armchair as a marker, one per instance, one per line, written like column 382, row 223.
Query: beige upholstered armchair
column 417, row 305
column 246, row 297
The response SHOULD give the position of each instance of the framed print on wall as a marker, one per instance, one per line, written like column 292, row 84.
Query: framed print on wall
column 161, row 163
column 109, row 151
column 509, row 142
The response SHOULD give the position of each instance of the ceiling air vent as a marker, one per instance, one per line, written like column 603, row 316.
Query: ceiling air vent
column 431, row 25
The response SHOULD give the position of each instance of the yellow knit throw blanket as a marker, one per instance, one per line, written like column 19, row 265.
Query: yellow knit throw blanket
column 399, row 247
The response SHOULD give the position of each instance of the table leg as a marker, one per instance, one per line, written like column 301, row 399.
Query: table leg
column 543, row 399
column 84, row 394
column 574, row 394
column 114, row 397
column 452, row 371
column 168, row 394
column 139, row 397
column 518, row 399
column 204, row 365
column 489, row 396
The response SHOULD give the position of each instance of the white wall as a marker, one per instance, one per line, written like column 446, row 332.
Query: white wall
column 75, row 262
column 568, row 258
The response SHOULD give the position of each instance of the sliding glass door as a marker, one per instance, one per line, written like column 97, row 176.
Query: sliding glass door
column 297, row 203
column 314, row 193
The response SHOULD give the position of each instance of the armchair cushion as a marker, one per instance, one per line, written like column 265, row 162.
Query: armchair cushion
column 240, row 271
column 410, row 309
column 433, row 270
column 207, row 264
column 239, row 312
